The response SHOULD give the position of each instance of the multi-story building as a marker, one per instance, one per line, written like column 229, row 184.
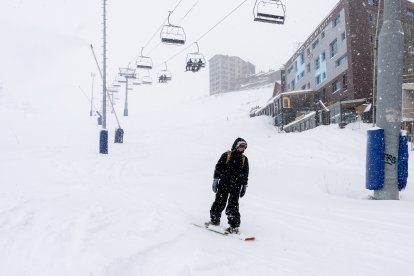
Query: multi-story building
column 337, row 60
column 226, row 72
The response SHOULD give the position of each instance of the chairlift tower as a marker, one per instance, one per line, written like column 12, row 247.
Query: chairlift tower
column 126, row 73
column 389, row 96
column 103, row 138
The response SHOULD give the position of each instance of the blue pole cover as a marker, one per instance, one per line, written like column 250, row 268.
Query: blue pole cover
column 103, row 142
column 374, row 179
column 403, row 162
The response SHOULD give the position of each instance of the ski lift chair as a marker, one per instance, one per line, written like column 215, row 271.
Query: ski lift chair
column 269, row 11
column 145, row 77
column 144, row 62
column 172, row 34
column 164, row 76
column 195, row 61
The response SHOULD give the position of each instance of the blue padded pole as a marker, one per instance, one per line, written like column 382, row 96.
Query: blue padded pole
column 374, row 179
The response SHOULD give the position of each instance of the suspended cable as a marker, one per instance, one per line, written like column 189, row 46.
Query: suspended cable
column 177, row 6
column 153, row 49
column 181, row 20
column 205, row 34
column 155, row 33
column 212, row 28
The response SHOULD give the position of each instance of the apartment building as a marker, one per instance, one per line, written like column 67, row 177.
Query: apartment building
column 226, row 73
column 336, row 60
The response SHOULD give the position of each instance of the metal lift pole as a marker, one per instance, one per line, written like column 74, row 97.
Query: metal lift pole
column 389, row 94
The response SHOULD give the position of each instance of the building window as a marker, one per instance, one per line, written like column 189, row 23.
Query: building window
column 308, row 67
column 314, row 44
column 336, row 20
column 345, row 81
column 333, row 47
column 343, row 36
column 323, row 56
column 318, row 79
column 308, row 85
column 296, row 66
column 341, row 60
column 302, row 58
column 323, row 76
column 302, row 74
column 303, row 87
column 323, row 35
column 292, row 84
column 317, row 63
column 410, row 12
column 336, row 86
column 373, row 2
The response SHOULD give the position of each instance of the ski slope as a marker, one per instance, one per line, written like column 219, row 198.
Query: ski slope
column 67, row 210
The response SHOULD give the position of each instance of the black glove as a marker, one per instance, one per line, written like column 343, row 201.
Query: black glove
column 243, row 190
column 215, row 185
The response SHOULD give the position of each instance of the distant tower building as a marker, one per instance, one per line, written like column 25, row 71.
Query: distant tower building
column 226, row 72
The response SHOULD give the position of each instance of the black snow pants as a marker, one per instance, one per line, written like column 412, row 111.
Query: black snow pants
column 232, row 211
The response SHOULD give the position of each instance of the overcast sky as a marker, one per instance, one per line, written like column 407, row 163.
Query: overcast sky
column 50, row 38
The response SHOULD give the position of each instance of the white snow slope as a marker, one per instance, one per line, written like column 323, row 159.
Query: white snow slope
column 67, row 210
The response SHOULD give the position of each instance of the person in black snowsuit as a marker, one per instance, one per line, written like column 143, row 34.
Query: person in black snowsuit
column 230, row 183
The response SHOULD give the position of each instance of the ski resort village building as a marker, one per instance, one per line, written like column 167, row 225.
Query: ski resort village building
column 336, row 65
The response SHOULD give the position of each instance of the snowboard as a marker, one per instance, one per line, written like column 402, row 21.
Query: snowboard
column 222, row 230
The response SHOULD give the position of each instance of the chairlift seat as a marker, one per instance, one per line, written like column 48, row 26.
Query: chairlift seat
column 173, row 41
column 259, row 19
column 144, row 66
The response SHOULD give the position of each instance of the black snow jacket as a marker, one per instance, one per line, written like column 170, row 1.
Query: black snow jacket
column 233, row 173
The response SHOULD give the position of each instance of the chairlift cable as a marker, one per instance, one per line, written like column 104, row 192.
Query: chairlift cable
column 236, row 8
column 177, row 6
column 196, row 3
column 155, row 33
column 205, row 34
column 153, row 49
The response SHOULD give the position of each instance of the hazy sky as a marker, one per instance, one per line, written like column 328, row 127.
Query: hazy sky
column 51, row 38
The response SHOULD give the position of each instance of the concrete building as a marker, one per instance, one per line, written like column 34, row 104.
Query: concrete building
column 337, row 59
column 226, row 73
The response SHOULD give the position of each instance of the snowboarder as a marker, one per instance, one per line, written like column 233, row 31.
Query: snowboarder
column 230, row 182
